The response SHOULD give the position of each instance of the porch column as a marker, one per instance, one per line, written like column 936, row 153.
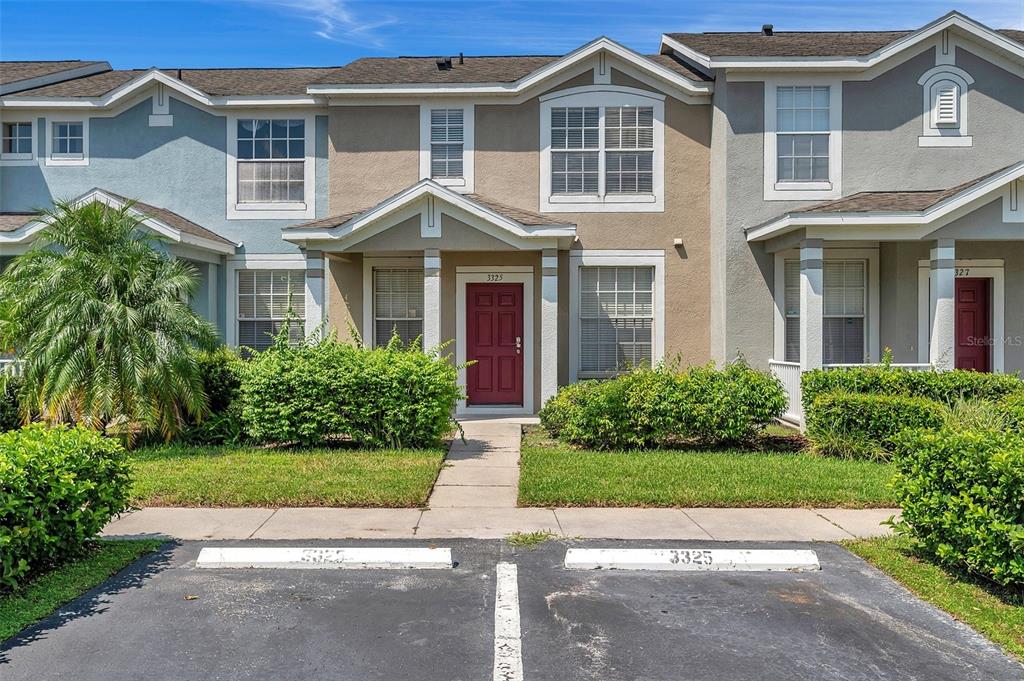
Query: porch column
column 942, row 276
column 811, row 280
column 314, row 291
column 431, row 298
column 549, row 325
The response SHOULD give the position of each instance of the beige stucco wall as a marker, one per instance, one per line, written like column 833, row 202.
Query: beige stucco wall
column 374, row 154
column 345, row 294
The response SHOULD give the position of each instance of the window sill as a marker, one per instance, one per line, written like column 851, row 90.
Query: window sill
column 284, row 210
column 17, row 159
column 945, row 141
column 609, row 203
column 801, row 191
column 67, row 160
column 450, row 181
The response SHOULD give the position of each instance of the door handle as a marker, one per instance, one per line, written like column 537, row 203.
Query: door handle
column 519, row 344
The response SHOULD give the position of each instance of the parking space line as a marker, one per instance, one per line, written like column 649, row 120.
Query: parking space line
column 695, row 559
column 325, row 558
column 508, row 642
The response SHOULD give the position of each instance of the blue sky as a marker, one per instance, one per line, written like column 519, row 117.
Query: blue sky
column 196, row 33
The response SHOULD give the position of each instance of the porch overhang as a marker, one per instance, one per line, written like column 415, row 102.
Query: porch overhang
column 431, row 201
column 166, row 224
column 897, row 216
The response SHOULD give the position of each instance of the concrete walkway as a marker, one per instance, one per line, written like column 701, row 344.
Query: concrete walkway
column 719, row 524
column 482, row 468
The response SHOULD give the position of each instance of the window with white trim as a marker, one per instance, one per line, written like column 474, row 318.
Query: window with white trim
column 616, row 318
column 17, row 140
column 68, row 139
column 844, row 318
column 397, row 305
column 447, row 137
column 803, row 133
column 601, row 150
column 266, row 300
column 944, row 114
column 271, row 155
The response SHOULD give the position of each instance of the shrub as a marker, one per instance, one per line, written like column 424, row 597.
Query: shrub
column 869, row 421
column 382, row 397
column 58, row 487
column 10, row 417
column 652, row 407
column 946, row 387
column 220, row 370
column 1011, row 409
column 962, row 495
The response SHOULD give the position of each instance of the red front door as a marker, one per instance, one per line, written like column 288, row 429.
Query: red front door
column 494, row 335
column 973, row 325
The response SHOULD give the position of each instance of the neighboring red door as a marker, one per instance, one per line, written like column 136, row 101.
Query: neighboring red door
column 494, row 335
column 973, row 325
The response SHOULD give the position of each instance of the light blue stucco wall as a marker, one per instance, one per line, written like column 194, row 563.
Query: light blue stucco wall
column 182, row 168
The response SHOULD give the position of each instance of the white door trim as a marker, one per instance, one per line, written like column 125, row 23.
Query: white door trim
column 975, row 269
column 509, row 275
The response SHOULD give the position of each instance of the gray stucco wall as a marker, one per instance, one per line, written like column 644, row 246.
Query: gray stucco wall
column 181, row 168
column 881, row 124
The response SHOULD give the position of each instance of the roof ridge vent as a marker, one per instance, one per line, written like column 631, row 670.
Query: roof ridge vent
column 767, row 29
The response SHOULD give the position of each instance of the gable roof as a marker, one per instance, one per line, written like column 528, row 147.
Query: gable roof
column 163, row 221
column 826, row 49
column 22, row 75
column 886, row 208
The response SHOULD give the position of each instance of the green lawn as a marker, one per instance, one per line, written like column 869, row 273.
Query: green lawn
column 554, row 474
column 49, row 591
column 994, row 612
column 253, row 476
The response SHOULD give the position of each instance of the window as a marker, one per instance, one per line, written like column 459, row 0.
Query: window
column 843, row 317
column 271, row 160
column 446, row 143
column 616, row 318
column 17, row 141
column 601, row 147
column 802, row 121
column 944, row 114
column 397, row 305
column 266, row 299
column 68, row 140
column 575, row 143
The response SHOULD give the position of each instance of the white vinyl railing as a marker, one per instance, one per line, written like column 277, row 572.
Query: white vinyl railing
column 789, row 374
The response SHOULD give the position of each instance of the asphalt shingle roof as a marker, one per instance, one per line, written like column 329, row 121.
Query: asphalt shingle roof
column 14, row 71
column 11, row 222
column 798, row 43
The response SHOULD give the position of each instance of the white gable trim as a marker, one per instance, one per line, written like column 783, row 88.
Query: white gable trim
column 538, row 77
column 888, row 225
column 430, row 200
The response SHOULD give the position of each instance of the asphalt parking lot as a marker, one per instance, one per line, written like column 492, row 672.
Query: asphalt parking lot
column 165, row 619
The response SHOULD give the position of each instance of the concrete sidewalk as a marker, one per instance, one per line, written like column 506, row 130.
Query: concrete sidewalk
column 719, row 524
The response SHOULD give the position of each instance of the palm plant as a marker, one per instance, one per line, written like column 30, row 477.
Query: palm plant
column 100, row 321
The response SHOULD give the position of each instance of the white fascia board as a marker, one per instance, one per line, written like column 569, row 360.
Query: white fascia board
column 688, row 53
column 952, row 20
column 50, row 78
column 790, row 222
column 527, row 81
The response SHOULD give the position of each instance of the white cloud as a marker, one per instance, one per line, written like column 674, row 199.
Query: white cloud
column 335, row 20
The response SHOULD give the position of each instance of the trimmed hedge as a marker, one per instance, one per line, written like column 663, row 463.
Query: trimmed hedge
column 58, row 487
column 1011, row 409
column 853, row 425
column 221, row 370
column 962, row 495
column 654, row 407
column 947, row 387
column 382, row 397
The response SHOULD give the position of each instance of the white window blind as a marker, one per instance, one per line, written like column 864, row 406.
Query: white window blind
column 397, row 305
column 575, row 144
column 802, row 142
column 629, row 145
column 844, row 306
column 447, row 133
column 271, row 160
column 17, row 139
column 266, row 298
column 68, row 140
column 616, row 318
column 946, row 110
